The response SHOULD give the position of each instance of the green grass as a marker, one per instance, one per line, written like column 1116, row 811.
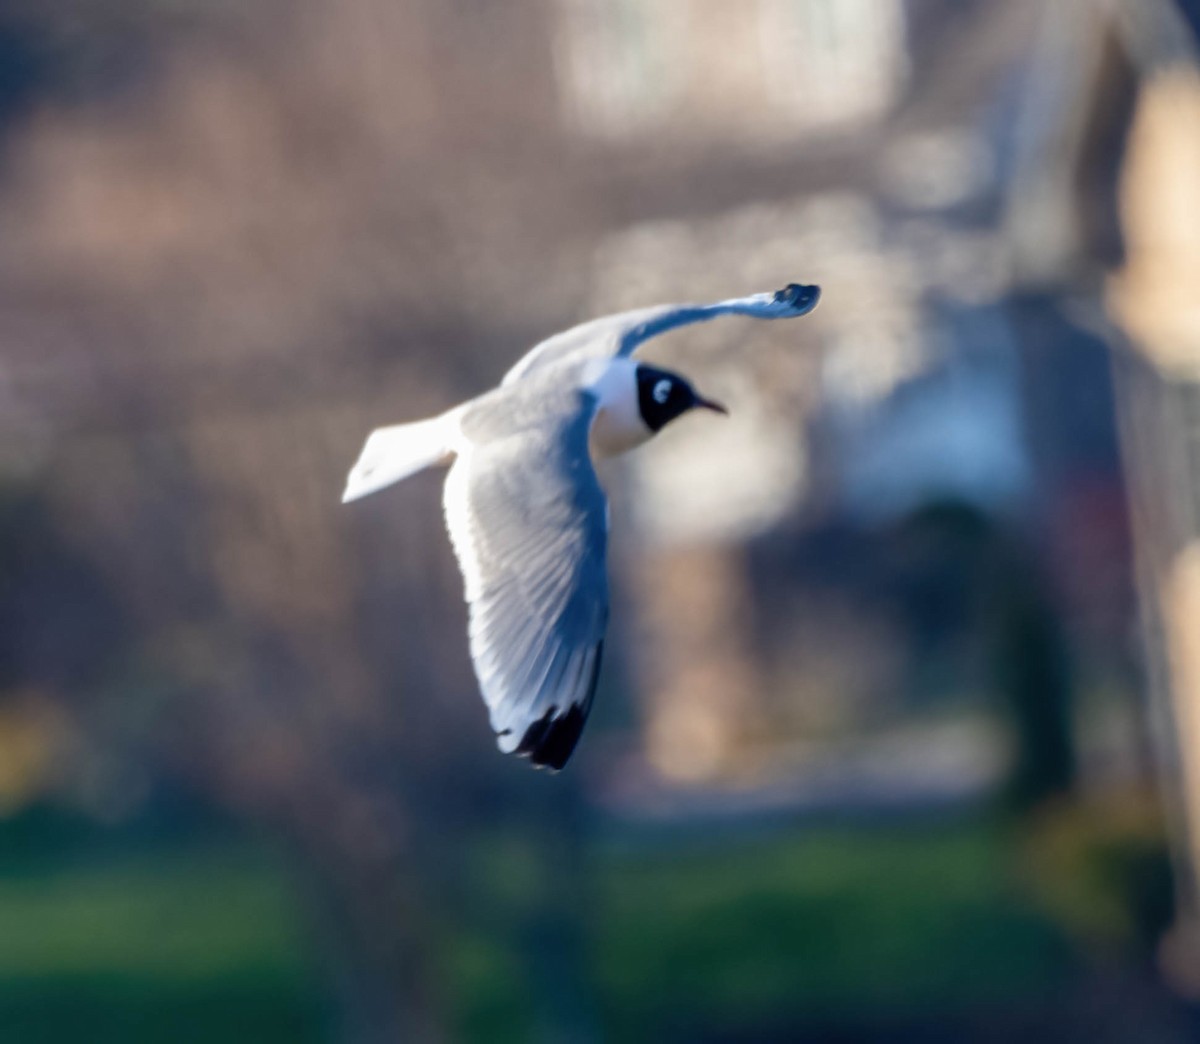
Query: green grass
column 862, row 923
column 112, row 937
column 188, row 942
column 844, row 921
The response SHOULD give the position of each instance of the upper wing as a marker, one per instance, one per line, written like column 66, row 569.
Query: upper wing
column 619, row 335
column 528, row 521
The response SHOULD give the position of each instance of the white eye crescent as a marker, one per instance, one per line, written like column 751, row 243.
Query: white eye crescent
column 662, row 391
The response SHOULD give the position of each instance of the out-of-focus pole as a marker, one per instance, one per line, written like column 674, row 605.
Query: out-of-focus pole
column 1156, row 298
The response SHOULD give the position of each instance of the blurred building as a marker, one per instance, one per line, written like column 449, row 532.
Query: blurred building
column 765, row 73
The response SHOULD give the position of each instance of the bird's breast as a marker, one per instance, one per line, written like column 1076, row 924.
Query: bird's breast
column 613, row 433
column 617, row 426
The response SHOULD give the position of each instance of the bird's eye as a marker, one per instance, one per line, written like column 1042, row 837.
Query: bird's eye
column 662, row 391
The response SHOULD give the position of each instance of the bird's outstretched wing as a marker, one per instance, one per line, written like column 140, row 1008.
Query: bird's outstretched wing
column 528, row 521
column 620, row 335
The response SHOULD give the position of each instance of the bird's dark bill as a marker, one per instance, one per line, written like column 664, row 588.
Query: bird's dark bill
column 711, row 404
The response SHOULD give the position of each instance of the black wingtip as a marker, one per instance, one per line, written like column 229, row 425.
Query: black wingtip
column 550, row 741
column 802, row 297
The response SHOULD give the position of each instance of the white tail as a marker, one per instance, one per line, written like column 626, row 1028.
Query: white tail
column 393, row 453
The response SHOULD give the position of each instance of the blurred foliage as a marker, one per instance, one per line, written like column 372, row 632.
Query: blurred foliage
column 1103, row 871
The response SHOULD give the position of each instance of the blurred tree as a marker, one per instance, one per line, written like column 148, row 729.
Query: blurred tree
column 215, row 288
column 964, row 570
column 61, row 626
column 1033, row 671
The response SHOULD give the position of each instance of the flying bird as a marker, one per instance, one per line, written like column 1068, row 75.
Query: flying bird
column 526, row 514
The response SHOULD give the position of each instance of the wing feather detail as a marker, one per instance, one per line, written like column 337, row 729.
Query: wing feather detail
column 621, row 334
column 528, row 521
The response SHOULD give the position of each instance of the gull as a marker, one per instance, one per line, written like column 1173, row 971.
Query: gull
column 526, row 513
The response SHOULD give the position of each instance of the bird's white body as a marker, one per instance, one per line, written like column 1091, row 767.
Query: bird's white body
column 393, row 453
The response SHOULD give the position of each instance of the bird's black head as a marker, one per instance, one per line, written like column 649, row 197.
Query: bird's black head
column 663, row 396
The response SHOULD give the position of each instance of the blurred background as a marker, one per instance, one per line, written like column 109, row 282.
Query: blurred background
column 898, row 737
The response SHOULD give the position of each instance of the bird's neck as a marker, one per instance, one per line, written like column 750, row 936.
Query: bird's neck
column 617, row 425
